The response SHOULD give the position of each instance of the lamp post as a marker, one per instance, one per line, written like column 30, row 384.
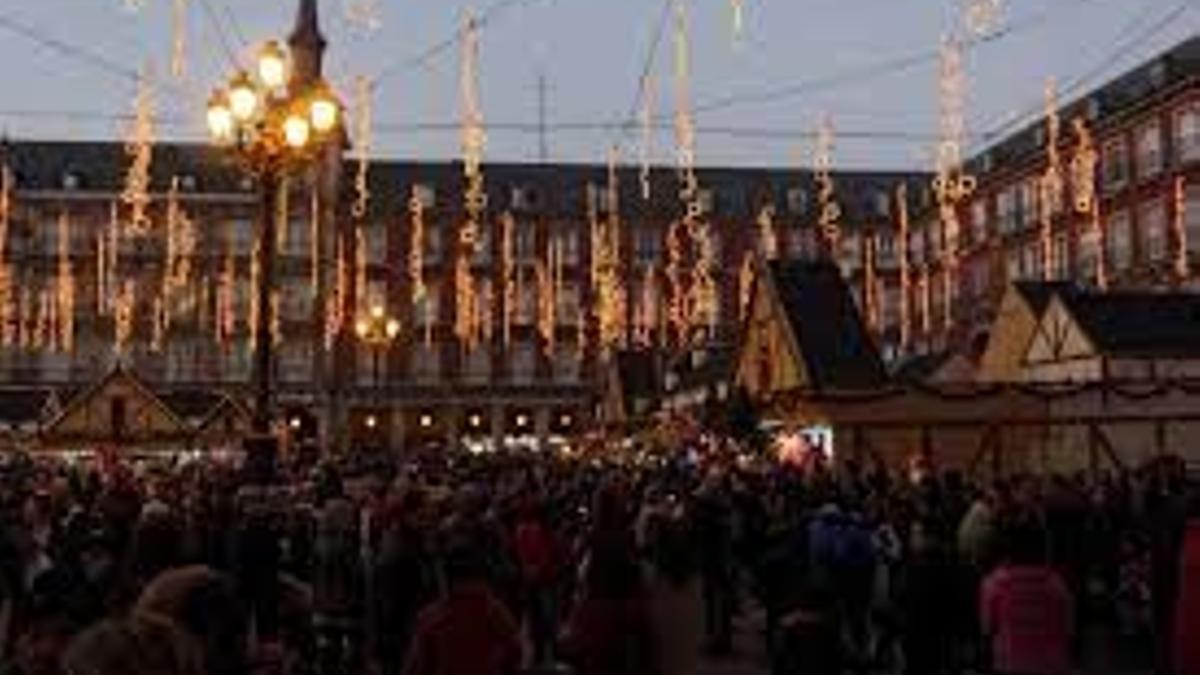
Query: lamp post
column 271, row 124
column 378, row 331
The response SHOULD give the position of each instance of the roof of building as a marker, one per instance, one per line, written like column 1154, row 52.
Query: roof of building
column 550, row 189
column 1139, row 324
column 829, row 331
column 1124, row 94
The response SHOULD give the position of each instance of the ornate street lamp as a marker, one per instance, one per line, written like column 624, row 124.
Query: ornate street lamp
column 271, row 124
column 378, row 331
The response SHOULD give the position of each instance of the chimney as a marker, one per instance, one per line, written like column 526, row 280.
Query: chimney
column 307, row 45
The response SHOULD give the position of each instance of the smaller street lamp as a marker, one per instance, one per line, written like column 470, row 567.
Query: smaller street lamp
column 378, row 331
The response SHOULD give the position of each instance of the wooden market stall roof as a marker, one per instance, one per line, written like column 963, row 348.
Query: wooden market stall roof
column 804, row 331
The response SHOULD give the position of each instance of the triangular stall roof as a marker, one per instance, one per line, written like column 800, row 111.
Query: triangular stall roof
column 118, row 410
column 1013, row 328
column 804, row 332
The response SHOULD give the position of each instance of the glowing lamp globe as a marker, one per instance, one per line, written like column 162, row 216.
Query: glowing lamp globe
column 220, row 118
column 393, row 328
column 272, row 65
column 243, row 100
column 361, row 328
column 323, row 113
column 296, row 131
column 377, row 312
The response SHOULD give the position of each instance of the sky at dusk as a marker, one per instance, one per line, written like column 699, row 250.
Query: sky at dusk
column 758, row 98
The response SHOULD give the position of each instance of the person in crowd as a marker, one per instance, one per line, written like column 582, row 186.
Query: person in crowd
column 469, row 631
column 926, row 609
column 1026, row 608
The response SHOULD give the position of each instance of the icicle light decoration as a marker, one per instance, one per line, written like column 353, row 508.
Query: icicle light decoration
column 473, row 139
column 360, row 269
column 9, row 335
column 1083, row 188
column 416, row 247
column 123, row 317
column 676, row 303
column 335, row 304
column 139, row 149
column 43, row 321
column 181, row 247
column 545, row 272
column 646, row 318
column 830, row 212
column 158, row 332
column 226, row 313
column 255, row 305
column 768, row 241
column 950, row 185
column 926, row 291
column 283, row 214
column 685, row 301
column 314, row 240
column 738, row 11
column 1051, row 184
column 649, row 90
column 1179, row 221
column 362, row 145
column 507, row 272
column 179, row 39
column 25, row 316
column 905, row 271
column 65, row 287
column 745, row 285
column 365, row 16
column 704, row 301
column 6, row 190
column 276, row 318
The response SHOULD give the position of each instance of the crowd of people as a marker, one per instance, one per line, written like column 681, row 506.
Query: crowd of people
column 448, row 564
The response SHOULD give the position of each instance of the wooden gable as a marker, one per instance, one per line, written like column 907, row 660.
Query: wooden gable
column 1009, row 338
column 229, row 419
column 768, row 361
column 119, row 409
column 1058, row 337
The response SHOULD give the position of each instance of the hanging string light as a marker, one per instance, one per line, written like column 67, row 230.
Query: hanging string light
column 1182, row 266
column 65, row 287
column 830, row 212
column 905, row 272
column 507, row 272
column 982, row 17
column 108, row 241
column 8, row 334
column 226, row 323
column 365, row 16
column 950, row 184
column 360, row 268
column 684, row 301
column 179, row 39
column 1083, row 187
column 768, row 241
column 646, row 152
column 870, row 287
column 6, row 189
column 25, row 316
column 139, row 148
column 745, row 286
column 283, row 214
column 926, row 302
column 362, row 145
column 181, row 245
column 276, row 325
column 158, row 332
column 547, row 302
column 738, row 17
column 676, row 303
column 646, row 316
column 1051, row 184
column 314, row 240
column 335, row 304
column 606, row 264
column 43, row 335
column 704, row 300
column 123, row 317
column 255, row 306
column 473, row 139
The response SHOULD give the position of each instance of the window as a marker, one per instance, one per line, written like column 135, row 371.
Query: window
column 1187, row 132
column 885, row 249
column 1116, row 164
column 298, row 241
column 1149, row 150
column 981, row 277
column 568, row 304
column 568, row 236
column 434, row 244
column 1031, row 261
column 797, row 201
column 1119, row 253
column 427, row 309
column 979, row 227
column 1191, row 218
column 1005, row 210
column 1012, row 264
column 375, row 238
column 1152, row 224
column 526, row 242
column 647, row 245
column 425, row 195
column 1027, row 211
column 916, row 248
column 483, row 246
column 526, row 309
column 426, row 362
column 296, row 362
column 1060, row 257
column 933, row 238
column 566, row 363
column 240, row 237
column 296, row 300
column 237, row 361
column 1089, row 249
column 523, row 362
column 478, row 364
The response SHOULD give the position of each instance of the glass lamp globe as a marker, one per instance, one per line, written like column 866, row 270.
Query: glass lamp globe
column 361, row 328
column 393, row 328
column 272, row 65
column 295, row 131
column 220, row 118
column 243, row 99
column 323, row 113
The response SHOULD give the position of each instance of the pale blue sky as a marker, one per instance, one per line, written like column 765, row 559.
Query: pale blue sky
column 592, row 52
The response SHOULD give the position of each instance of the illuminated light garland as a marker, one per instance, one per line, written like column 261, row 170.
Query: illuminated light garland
column 108, row 246
column 179, row 39
column 9, row 333
column 1083, row 188
column 139, row 149
column 905, row 271
column 1182, row 266
column 544, row 273
column 507, row 271
column 606, row 263
column 703, row 303
column 686, row 304
column 745, row 285
column 416, row 247
column 676, row 302
column 181, row 247
column 646, row 318
column 485, row 325
column 362, row 145
column 829, row 211
column 25, row 316
column 473, row 140
column 276, row 319
column 982, row 17
column 65, row 287
column 649, row 90
column 226, row 323
column 950, row 185
column 159, row 324
column 335, row 304
column 364, row 15
column 768, row 240
column 360, row 268
column 283, row 218
column 43, row 321
column 1051, row 184
column 738, row 8
column 6, row 190
column 123, row 317
column 869, row 288
column 255, row 305
column 926, row 302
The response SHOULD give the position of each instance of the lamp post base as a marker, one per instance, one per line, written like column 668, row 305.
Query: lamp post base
column 262, row 451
